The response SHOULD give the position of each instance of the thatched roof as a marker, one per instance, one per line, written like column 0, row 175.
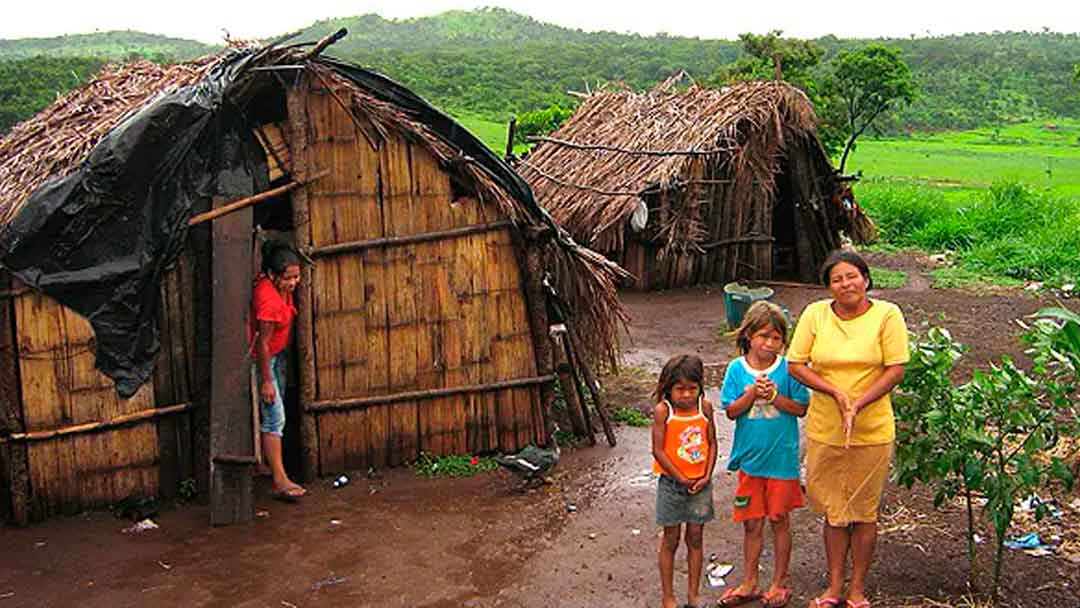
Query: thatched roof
column 61, row 139
column 620, row 145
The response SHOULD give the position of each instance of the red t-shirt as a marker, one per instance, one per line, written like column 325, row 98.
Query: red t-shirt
column 267, row 304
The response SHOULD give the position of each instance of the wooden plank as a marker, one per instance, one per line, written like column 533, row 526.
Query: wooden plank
column 400, row 217
column 231, row 491
column 199, row 340
column 14, row 476
column 296, row 105
column 440, row 431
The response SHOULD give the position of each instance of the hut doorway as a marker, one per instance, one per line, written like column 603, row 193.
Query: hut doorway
column 274, row 220
column 785, row 256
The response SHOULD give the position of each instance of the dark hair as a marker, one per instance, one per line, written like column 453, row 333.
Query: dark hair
column 277, row 256
column 850, row 257
column 679, row 367
column 761, row 314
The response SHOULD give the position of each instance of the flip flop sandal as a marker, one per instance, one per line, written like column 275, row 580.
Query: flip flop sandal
column 779, row 599
column 859, row 604
column 732, row 597
column 827, row 602
column 289, row 494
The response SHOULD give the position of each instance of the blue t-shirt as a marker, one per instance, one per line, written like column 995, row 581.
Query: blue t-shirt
column 766, row 440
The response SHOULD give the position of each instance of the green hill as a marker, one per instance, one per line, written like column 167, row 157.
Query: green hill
column 114, row 46
column 492, row 63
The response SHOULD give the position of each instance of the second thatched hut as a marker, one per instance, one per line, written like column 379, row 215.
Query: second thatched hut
column 689, row 185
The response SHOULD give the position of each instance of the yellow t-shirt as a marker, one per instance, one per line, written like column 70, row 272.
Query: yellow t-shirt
column 850, row 355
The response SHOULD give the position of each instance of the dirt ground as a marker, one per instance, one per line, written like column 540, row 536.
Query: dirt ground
column 585, row 540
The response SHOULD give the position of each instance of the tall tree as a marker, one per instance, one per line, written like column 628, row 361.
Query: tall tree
column 867, row 82
column 772, row 57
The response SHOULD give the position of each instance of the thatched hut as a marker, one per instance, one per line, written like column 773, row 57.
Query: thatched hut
column 690, row 185
column 127, row 246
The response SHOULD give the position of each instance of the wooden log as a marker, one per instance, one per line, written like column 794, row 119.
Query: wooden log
column 579, row 386
column 9, row 294
column 231, row 486
column 566, row 381
column 594, row 386
column 296, row 104
column 15, row 476
column 757, row 238
column 412, row 239
column 92, row 427
column 251, row 200
column 361, row 402
column 536, row 303
column 510, row 138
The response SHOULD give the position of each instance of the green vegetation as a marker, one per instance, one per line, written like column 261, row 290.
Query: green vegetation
column 885, row 278
column 863, row 84
column 1041, row 154
column 953, row 277
column 1008, row 230
column 27, row 85
column 455, row 465
column 494, row 63
column 631, row 416
column 997, row 437
column 113, row 46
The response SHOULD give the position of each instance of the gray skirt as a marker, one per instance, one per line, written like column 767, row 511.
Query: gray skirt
column 676, row 505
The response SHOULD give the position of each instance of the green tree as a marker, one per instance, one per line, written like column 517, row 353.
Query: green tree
column 867, row 82
column 772, row 57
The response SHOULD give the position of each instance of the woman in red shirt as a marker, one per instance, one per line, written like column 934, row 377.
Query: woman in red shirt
column 272, row 312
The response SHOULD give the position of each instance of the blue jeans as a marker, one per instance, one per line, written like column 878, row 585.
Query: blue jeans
column 272, row 414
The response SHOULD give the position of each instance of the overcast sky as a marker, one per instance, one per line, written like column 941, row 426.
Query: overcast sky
column 206, row 20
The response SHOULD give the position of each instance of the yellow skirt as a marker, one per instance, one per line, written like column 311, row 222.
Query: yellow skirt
column 845, row 484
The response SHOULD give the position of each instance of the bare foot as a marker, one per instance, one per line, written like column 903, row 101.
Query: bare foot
column 668, row 602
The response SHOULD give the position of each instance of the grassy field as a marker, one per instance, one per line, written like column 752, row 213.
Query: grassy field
column 1038, row 154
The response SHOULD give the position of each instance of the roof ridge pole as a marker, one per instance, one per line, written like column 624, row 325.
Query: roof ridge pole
column 323, row 43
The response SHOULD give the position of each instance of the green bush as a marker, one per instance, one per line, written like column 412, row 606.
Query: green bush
column 899, row 210
column 1008, row 230
column 631, row 416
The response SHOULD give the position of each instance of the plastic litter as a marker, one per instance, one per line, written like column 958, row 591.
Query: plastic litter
column 141, row 526
column 1030, row 540
column 571, row 508
column 715, row 574
column 341, row 481
column 330, row 581
column 635, row 532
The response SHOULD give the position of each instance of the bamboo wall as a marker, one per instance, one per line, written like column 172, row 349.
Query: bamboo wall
column 75, row 457
column 398, row 318
column 739, row 226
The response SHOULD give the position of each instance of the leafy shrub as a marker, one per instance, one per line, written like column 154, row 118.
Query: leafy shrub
column 631, row 416
column 454, row 465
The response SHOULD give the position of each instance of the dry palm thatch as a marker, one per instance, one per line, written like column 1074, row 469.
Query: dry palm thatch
column 61, row 137
column 621, row 146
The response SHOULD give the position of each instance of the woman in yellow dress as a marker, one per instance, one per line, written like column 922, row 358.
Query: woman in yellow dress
column 851, row 351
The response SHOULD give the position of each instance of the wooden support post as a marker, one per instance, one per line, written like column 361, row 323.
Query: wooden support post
column 201, row 347
column 296, row 105
column 536, row 300
column 13, row 457
column 594, row 386
column 566, row 381
column 232, row 492
column 579, row 386
column 510, row 128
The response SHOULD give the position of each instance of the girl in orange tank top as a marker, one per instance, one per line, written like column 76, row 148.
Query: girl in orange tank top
column 684, row 453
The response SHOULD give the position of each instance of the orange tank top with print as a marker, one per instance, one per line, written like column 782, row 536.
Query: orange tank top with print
column 686, row 442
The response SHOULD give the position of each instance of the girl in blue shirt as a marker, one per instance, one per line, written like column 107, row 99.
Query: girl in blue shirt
column 765, row 403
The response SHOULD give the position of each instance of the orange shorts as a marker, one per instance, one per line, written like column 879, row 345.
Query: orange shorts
column 757, row 497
